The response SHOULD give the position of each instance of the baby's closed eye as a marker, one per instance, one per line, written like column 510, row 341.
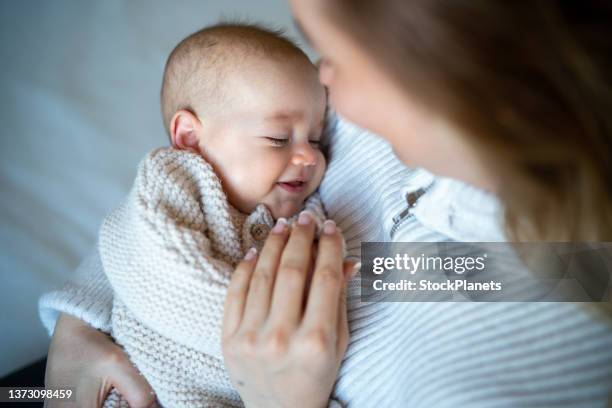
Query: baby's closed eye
column 279, row 141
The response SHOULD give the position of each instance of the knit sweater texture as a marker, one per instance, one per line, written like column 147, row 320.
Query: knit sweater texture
column 169, row 251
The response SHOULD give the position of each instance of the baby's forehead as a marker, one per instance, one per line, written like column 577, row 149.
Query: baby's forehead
column 201, row 68
column 274, row 86
column 244, row 63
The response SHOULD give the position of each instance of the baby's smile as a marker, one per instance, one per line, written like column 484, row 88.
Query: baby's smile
column 294, row 186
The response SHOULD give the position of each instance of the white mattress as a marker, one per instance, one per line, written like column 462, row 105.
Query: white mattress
column 79, row 84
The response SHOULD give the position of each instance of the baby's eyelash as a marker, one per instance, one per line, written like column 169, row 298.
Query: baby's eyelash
column 283, row 142
column 278, row 141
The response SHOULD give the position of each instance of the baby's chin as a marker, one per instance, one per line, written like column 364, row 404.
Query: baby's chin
column 285, row 209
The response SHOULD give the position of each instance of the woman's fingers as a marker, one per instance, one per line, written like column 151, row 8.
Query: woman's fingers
column 117, row 371
column 266, row 361
column 262, row 282
column 271, row 288
column 132, row 385
column 291, row 277
column 322, row 305
column 349, row 268
column 237, row 293
column 88, row 394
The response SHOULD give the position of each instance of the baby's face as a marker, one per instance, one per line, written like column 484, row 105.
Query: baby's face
column 264, row 145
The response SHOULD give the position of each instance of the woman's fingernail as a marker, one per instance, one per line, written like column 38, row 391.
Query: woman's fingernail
column 304, row 218
column 280, row 226
column 251, row 254
column 329, row 227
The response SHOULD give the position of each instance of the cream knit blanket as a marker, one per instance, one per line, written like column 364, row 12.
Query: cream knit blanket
column 169, row 251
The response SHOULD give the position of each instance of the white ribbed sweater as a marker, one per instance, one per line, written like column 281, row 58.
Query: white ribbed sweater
column 425, row 354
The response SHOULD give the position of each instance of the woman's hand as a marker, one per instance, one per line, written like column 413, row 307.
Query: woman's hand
column 283, row 345
column 89, row 362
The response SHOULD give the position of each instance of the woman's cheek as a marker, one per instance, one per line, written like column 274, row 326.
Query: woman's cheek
column 358, row 106
column 349, row 106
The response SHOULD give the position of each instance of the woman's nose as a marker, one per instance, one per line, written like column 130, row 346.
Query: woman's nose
column 304, row 155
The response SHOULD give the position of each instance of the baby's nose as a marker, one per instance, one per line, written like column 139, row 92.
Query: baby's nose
column 304, row 156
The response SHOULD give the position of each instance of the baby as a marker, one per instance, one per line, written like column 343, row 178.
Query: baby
column 245, row 113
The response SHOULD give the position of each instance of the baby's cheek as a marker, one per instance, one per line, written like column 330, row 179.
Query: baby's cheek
column 264, row 175
column 249, row 181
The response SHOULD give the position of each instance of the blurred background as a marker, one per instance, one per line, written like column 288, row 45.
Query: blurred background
column 80, row 87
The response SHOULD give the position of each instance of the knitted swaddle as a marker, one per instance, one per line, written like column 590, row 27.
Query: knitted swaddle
column 169, row 251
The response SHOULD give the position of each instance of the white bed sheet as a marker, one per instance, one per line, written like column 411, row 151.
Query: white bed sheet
column 79, row 84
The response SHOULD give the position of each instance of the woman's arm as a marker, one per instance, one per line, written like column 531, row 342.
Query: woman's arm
column 81, row 356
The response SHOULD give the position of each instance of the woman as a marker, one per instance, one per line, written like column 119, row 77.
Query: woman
column 459, row 89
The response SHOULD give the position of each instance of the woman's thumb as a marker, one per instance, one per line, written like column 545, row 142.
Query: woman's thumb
column 350, row 268
column 133, row 387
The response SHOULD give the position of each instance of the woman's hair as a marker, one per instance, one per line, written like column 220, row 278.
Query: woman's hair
column 528, row 82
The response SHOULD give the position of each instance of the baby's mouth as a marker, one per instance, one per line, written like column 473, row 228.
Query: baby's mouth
column 296, row 186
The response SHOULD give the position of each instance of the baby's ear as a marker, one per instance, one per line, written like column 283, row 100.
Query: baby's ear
column 185, row 130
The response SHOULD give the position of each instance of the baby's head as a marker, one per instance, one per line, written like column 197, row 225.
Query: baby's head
column 249, row 101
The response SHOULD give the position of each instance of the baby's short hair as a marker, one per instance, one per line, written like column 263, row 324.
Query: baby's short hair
column 196, row 68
